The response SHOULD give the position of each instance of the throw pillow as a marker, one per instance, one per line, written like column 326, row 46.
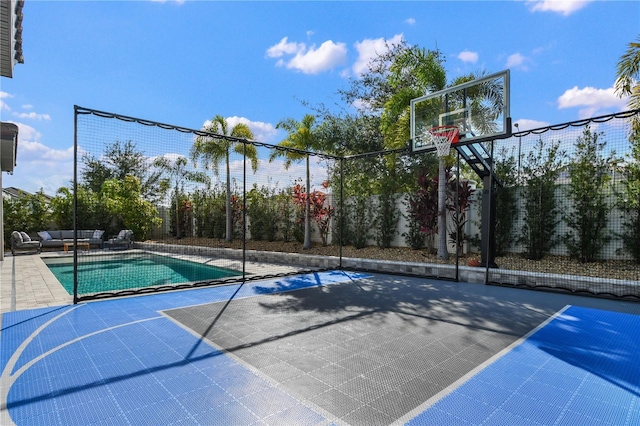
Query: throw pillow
column 25, row 237
column 97, row 234
column 45, row 235
column 122, row 234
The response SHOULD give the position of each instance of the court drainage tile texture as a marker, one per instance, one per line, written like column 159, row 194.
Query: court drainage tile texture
column 365, row 352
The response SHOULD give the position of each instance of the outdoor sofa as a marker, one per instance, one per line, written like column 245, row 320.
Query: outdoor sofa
column 22, row 241
column 58, row 238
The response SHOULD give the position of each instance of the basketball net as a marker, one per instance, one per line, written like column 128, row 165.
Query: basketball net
column 442, row 137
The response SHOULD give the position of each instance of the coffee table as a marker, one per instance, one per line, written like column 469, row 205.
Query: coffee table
column 66, row 246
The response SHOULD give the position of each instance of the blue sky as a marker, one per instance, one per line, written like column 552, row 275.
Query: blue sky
column 183, row 62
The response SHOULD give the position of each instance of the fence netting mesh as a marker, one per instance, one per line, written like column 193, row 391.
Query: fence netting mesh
column 165, row 207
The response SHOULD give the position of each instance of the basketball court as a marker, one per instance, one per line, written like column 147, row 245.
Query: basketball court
column 325, row 348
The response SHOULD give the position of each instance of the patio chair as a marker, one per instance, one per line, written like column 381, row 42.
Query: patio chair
column 22, row 241
column 124, row 239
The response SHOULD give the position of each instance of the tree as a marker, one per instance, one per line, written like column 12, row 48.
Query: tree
column 214, row 148
column 124, row 202
column 628, row 81
column 91, row 212
column 628, row 199
column 541, row 170
column 589, row 173
column 120, row 160
column 506, row 199
column 177, row 174
column 301, row 139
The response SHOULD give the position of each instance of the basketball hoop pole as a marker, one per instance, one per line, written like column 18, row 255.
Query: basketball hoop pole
column 442, row 137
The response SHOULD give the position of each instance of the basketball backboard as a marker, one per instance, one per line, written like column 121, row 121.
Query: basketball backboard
column 479, row 108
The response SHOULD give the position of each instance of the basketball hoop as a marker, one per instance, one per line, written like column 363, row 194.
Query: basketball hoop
column 442, row 137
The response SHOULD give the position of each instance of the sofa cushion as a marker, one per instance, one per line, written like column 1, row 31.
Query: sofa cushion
column 66, row 234
column 55, row 235
column 97, row 234
column 25, row 237
column 16, row 237
column 44, row 236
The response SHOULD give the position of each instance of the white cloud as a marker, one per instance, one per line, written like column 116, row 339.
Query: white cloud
column 361, row 105
column 410, row 21
column 27, row 106
column 309, row 60
column 262, row 132
column 313, row 61
column 526, row 124
column 368, row 49
column 3, row 104
column 284, row 47
column 517, row 60
column 563, row 7
column 467, row 56
column 591, row 100
column 32, row 116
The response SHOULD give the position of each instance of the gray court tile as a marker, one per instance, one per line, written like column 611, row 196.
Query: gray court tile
column 367, row 416
column 307, row 386
column 334, row 374
column 338, row 403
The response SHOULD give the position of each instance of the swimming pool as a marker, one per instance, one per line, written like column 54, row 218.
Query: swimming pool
column 131, row 271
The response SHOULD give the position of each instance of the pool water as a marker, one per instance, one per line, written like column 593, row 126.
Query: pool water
column 127, row 271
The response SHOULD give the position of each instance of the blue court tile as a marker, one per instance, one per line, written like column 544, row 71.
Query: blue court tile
column 201, row 400
column 471, row 410
column 567, row 378
column 157, row 413
column 546, row 393
column 141, row 397
column 501, row 417
column 486, row 393
column 184, row 383
column 88, row 413
column 50, row 418
column 72, row 397
column 605, row 412
column 124, row 384
column 600, row 391
column 30, row 408
column 532, row 410
column 35, row 384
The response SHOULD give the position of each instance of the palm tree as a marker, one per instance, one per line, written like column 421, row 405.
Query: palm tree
column 214, row 148
column 628, row 81
column 178, row 173
column 302, row 137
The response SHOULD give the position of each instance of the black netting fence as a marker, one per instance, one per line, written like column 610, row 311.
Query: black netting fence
column 161, row 207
